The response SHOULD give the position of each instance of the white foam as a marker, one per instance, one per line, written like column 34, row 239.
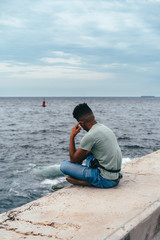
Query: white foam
column 14, row 192
column 53, row 181
column 32, row 164
column 126, row 160
column 48, row 171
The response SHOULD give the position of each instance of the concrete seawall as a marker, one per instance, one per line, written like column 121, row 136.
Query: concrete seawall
column 131, row 211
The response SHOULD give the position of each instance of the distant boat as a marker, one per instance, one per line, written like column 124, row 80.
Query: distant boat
column 147, row 96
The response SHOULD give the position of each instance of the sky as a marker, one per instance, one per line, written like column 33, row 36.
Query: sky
column 79, row 48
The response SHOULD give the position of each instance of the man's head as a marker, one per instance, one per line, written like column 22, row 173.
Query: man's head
column 84, row 115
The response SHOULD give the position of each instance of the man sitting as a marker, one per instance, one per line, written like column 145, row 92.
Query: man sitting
column 99, row 147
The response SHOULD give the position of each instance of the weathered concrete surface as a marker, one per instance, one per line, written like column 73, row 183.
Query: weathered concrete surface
column 130, row 211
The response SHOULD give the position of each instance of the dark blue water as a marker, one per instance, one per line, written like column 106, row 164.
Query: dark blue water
column 34, row 140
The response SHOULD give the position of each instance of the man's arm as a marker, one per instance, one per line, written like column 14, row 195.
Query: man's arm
column 76, row 156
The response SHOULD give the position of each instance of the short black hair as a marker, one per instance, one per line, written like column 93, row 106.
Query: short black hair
column 81, row 110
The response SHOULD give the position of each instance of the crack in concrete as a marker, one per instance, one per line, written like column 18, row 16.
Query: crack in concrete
column 33, row 234
column 51, row 224
column 27, row 233
column 13, row 216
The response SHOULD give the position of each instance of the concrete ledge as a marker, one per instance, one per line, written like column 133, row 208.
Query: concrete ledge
column 130, row 211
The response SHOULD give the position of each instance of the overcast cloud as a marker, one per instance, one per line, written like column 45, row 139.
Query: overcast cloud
column 79, row 48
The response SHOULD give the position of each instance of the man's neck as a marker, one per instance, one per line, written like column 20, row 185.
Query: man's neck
column 90, row 125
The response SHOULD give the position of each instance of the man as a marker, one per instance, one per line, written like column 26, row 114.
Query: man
column 99, row 143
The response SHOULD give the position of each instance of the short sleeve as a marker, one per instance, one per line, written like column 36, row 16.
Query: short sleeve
column 86, row 143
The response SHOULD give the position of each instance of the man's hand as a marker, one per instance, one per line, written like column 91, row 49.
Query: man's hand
column 76, row 156
column 75, row 130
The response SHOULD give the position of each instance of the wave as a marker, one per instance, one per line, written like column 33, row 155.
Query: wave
column 26, row 169
column 11, row 124
column 13, row 192
column 134, row 146
column 53, row 182
column 51, row 171
column 124, row 138
column 40, row 131
column 127, row 159
column 26, row 146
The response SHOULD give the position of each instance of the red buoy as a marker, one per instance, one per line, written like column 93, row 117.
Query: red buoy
column 44, row 103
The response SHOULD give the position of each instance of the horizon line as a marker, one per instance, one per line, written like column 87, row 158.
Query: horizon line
column 142, row 96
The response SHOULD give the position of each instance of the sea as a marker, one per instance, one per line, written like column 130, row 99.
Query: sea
column 34, row 140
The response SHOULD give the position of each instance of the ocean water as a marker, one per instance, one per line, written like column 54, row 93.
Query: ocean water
column 35, row 140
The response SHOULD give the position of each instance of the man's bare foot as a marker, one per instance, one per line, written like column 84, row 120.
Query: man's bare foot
column 76, row 181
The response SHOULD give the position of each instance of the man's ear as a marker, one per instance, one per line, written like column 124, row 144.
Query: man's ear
column 81, row 123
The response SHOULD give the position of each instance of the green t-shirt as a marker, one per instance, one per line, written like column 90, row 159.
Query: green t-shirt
column 101, row 141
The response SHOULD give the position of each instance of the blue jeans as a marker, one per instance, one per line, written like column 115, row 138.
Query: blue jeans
column 86, row 173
